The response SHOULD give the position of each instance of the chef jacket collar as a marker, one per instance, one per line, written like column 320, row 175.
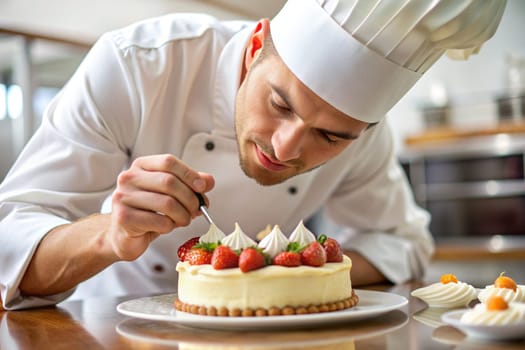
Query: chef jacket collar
column 227, row 81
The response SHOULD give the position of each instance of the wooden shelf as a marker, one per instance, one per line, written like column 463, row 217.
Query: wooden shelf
column 437, row 135
column 464, row 252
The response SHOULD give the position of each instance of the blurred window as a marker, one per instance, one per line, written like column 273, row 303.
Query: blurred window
column 15, row 101
column 3, row 101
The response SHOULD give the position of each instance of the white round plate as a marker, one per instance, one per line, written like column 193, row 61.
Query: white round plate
column 494, row 332
column 160, row 308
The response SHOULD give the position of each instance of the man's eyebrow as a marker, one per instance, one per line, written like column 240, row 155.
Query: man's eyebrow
column 283, row 95
column 339, row 134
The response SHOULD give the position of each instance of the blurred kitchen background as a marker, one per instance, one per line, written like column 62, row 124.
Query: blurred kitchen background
column 460, row 131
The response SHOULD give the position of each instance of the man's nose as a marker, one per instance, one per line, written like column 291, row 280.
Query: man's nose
column 288, row 140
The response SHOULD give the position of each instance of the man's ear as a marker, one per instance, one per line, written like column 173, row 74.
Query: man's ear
column 256, row 42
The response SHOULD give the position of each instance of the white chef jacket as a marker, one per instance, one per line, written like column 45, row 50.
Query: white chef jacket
column 167, row 85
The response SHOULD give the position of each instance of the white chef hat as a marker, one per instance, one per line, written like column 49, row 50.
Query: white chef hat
column 362, row 56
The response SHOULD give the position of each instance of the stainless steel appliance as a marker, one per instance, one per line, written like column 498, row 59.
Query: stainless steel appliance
column 473, row 187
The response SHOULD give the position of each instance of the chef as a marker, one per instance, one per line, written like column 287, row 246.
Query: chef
column 270, row 121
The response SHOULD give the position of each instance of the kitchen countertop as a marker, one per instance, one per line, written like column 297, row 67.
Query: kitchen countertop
column 95, row 324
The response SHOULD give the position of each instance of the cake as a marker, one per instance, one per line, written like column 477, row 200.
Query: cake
column 233, row 275
column 447, row 293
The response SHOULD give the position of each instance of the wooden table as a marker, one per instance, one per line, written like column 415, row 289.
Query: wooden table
column 95, row 324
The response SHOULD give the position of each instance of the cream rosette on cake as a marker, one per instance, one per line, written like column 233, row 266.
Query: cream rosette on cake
column 213, row 235
column 274, row 243
column 302, row 235
column 238, row 240
column 449, row 294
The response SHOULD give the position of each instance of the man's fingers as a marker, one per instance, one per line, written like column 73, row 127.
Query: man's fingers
column 170, row 164
column 161, row 183
column 158, row 204
column 164, row 184
column 209, row 180
column 166, row 174
column 137, row 221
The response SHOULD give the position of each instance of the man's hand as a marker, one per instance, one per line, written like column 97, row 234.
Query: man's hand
column 153, row 197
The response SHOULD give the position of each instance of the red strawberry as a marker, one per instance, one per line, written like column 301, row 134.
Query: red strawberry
column 313, row 255
column 183, row 249
column 224, row 258
column 334, row 253
column 251, row 259
column 289, row 259
column 198, row 256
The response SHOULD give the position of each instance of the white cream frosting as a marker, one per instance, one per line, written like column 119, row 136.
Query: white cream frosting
column 238, row 240
column 274, row 243
column 448, row 295
column 213, row 235
column 507, row 294
column 480, row 315
column 302, row 235
column 271, row 286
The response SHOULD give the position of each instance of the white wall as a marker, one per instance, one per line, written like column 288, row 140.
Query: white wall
column 87, row 19
column 471, row 85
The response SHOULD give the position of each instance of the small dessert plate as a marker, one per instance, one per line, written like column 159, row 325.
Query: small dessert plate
column 493, row 332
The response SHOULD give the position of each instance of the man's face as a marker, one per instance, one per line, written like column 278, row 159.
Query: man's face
column 283, row 128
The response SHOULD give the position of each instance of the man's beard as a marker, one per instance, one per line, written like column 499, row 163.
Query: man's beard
column 267, row 178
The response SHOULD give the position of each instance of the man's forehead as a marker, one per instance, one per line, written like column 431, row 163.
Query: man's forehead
column 304, row 102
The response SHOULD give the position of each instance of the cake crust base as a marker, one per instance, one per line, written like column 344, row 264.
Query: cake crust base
column 274, row 311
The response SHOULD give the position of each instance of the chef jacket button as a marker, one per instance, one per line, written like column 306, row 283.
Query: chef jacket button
column 209, row 146
column 292, row 190
column 158, row 268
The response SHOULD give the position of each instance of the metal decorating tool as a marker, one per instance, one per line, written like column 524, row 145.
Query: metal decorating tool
column 203, row 209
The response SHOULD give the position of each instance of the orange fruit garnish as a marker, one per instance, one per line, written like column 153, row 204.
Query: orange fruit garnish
column 496, row 303
column 448, row 278
column 505, row 282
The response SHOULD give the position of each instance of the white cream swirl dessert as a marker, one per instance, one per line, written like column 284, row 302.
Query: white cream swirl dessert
column 274, row 243
column 302, row 235
column 495, row 313
column 448, row 293
column 213, row 235
column 509, row 295
column 238, row 239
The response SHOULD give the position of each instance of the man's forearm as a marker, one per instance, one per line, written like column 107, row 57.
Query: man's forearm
column 363, row 272
column 68, row 255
